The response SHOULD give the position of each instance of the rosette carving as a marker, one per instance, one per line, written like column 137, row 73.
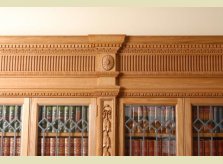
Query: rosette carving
column 108, row 62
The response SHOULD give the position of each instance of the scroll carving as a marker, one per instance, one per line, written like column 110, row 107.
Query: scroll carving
column 107, row 116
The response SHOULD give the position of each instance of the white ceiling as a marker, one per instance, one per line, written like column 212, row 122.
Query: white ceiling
column 111, row 20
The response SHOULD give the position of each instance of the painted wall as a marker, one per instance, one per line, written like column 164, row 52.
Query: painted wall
column 96, row 20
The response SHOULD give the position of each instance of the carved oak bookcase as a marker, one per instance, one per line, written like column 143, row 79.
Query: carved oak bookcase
column 111, row 95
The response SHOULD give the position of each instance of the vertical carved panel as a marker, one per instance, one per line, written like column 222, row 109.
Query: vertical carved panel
column 106, row 128
column 106, row 133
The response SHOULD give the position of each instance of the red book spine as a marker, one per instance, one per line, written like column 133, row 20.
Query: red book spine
column 18, row 147
column 45, row 147
column 6, row 146
column 165, row 147
column 207, row 148
column 12, row 146
column 151, row 147
column 172, row 147
column 136, row 147
column 195, row 148
column 61, row 147
column 69, row 146
column 52, row 146
column 77, row 146
column 85, row 146
column 158, row 147
column 202, row 153
column 214, row 146
column 145, row 147
column 220, row 147
column 127, row 147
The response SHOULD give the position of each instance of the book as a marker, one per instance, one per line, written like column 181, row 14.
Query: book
column 11, row 118
column 198, row 148
column 61, row 118
column 136, row 147
column 147, row 147
column 72, row 118
column 53, row 146
column 12, row 146
column 207, row 148
column 17, row 126
column 77, row 146
column 54, row 119
column 139, row 120
column 49, row 118
column 152, row 119
column 69, row 146
column 61, row 146
column 145, row 123
column 220, row 148
column 158, row 147
column 66, row 119
column 216, row 118
column 5, row 119
column 45, row 146
column 84, row 146
column 78, row 118
column 165, row 147
column 158, row 119
column 163, row 119
column 135, row 118
column 220, row 119
column 18, row 146
column 84, row 119
column 172, row 148
column 6, row 146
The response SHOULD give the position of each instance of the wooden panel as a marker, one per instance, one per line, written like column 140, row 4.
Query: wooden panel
column 188, row 139
column 25, row 127
column 179, row 127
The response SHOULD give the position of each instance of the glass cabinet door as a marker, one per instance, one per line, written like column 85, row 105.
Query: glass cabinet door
column 13, row 126
column 62, row 127
column 206, row 126
column 150, row 128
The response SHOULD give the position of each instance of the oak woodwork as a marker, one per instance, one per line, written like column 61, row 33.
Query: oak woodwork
column 106, row 72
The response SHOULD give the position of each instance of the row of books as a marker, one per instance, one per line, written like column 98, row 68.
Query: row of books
column 148, row 147
column 10, row 146
column 63, row 118
column 210, row 117
column 10, row 118
column 208, row 147
column 150, row 119
column 51, row 146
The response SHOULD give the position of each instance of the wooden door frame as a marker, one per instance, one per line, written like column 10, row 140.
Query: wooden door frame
column 154, row 101
column 33, row 135
column 188, row 119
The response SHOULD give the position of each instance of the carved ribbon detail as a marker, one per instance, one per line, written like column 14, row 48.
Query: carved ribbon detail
column 106, row 115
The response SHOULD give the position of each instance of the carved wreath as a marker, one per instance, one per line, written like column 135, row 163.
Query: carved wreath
column 108, row 62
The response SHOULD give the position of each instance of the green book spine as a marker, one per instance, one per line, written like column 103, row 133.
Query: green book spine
column 5, row 119
column 66, row 118
column 54, row 119
column 72, row 118
column 61, row 118
column 49, row 118
column 11, row 118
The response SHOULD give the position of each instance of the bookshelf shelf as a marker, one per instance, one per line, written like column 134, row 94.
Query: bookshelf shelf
column 64, row 134
column 149, row 135
column 208, row 135
column 9, row 134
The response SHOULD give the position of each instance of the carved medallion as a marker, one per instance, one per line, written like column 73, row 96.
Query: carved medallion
column 107, row 62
